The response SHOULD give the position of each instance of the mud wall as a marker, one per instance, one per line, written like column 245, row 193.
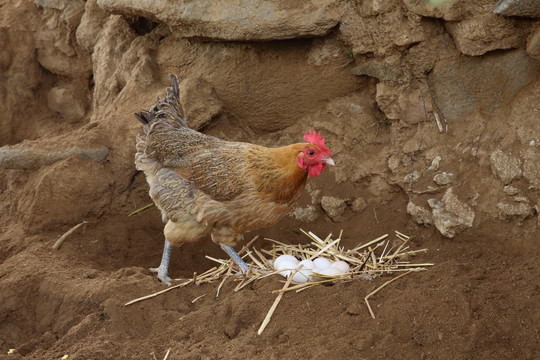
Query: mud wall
column 436, row 104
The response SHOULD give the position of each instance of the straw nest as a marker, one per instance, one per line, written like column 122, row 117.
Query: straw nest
column 366, row 261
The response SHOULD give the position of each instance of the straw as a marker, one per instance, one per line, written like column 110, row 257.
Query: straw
column 367, row 261
column 69, row 232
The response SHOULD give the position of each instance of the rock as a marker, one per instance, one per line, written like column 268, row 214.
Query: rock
column 53, row 4
column 420, row 59
column 447, row 10
column 411, row 177
column 326, row 51
column 475, row 199
column 531, row 172
column 199, row 102
column 528, row 8
column 32, row 158
column 393, row 163
column 314, row 194
column 522, row 199
column 381, row 34
column 55, row 49
column 530, row 153
column 404, row 104
column 358, row 205
column 413, row 109
column 435, row 163
column 463, row 81
column 92, row 22
column 307, row 214
column 387, row 99
column 483, row 33
column 444, row 178
column 67, row 100
column 234, row 20
column 419, row 214
column 72, row 14
column 115, row 40
column 354, row 309
column 333, row 207
column 20, row 73
column 382, row 69
column 510, row 190
column 533, row 44
column 413, row 32
column 537, row 208
column 61, row 61
column 505, row 167
column 375, row 7
column 450, row 215
column 521, row 210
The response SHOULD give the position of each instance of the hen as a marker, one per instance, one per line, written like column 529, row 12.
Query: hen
column 205, row 185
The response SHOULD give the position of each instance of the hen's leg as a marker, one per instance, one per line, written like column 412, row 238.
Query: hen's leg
column 223, row 235
column 177, row 233
column 164, row 266
column 236, row 258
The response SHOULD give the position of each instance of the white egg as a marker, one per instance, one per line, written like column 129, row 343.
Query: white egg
column 281, row 258
column 330, row 271
column 342, row 266
column 302, row 276
column 322, row 263
column 287, row 266
column 314, row 277
column 308, row 264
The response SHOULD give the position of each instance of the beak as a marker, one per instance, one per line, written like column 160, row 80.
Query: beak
column 328, row 160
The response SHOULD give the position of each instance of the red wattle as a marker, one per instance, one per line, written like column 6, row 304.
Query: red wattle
column 316, row 169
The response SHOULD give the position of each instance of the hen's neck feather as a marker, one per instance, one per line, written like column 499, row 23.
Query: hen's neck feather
column 276, row 173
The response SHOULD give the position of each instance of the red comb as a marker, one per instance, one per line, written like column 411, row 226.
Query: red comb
column 316, row 139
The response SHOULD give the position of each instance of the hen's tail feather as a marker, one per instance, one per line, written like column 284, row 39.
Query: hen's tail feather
column 142, row 117
column 166, row 109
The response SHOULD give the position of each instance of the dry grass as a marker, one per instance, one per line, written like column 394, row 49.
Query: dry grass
column 367, row 261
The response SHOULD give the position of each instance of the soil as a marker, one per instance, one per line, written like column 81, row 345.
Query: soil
column 479, row 301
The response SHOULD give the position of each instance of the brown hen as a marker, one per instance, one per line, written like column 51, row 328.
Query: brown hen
column 205, row 185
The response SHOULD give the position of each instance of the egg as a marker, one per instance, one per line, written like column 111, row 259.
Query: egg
column 314, row 277
column 281, row 258
column 342, row 266
column 302, row 276
column 330, row 271
column 308, row 264
column 321, row 263
column 287, row 266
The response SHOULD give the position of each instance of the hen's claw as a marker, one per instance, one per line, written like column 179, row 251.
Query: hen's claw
column 161, row 275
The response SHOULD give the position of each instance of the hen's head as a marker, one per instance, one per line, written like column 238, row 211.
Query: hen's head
column 315, row 155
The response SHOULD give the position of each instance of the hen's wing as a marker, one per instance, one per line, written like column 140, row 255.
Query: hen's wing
column 210, row 165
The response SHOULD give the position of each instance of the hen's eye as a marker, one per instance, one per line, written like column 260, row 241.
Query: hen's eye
column 311, row 152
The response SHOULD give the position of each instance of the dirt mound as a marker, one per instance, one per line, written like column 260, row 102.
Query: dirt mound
column 432, row 121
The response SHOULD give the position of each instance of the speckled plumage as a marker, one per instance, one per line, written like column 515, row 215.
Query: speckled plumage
column 203, row 184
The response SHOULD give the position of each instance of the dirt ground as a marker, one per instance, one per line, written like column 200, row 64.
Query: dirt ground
column 67, row 156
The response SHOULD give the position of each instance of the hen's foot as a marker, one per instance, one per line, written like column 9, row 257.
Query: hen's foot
column 164, row 266
column 162, row 275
